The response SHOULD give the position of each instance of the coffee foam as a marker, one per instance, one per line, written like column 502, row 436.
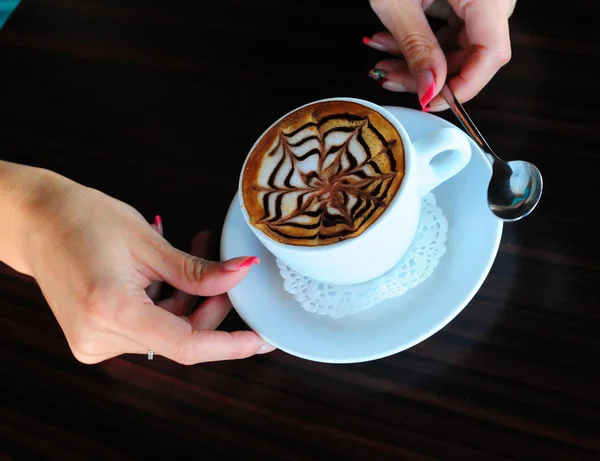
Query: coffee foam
column 323, row 174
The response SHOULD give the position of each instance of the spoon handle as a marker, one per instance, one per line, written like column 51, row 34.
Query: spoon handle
column 466, row 121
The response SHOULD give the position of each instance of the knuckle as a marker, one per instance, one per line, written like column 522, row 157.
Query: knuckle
column 238, row 353
column 186, row 353
column 240, row 349
column 416, row 46
column 154, row 245
column 94, row 310
column 504, row 55
column 185, row 356
column 461, row 6
column 83, row 358
column 105, row 309
column 82, row 344
column 195, row 268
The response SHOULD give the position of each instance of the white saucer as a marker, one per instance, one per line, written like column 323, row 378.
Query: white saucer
column 396, row 324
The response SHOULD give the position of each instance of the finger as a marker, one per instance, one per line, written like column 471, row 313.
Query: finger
column 408, row 24
column 180, row 303
column 154, row 289
column 200, row 244
column 486, row 26
column 383, row 41
column 437, row 104
column 176, row 339
column 195, row 275
column 211, row 313
column 475, row 73
column 455, row 60
column 394, row 75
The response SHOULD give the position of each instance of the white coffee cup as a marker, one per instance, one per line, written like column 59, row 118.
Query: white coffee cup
column 381, row 245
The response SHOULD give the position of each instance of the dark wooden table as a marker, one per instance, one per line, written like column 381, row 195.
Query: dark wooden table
column 150, row 102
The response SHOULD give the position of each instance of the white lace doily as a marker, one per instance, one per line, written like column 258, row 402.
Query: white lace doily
column 337, row 301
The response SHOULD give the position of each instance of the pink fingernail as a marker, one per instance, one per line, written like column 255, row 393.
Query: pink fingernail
column 234, row 265
column 374, row 44
column 158, row 224
column 425, row 87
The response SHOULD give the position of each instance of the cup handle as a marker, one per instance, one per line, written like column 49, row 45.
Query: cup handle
column 434, row 170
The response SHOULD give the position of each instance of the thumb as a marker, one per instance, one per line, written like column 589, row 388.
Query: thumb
column 417, row 42
column 196, row 275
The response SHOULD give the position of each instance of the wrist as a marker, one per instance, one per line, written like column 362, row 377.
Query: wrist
column 23, row 191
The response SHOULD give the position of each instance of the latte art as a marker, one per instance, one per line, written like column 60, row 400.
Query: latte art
column 323, row 174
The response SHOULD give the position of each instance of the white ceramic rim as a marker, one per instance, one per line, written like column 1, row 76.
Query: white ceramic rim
column 409, row 162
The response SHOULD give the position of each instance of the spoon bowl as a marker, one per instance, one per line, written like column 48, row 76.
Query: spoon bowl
column 515, row 191
column 516, row 187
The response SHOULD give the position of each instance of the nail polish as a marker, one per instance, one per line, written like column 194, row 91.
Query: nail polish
column 374, row 44
column 158, row 224
column 377, row 74
column 234, row 265
column 425, row 87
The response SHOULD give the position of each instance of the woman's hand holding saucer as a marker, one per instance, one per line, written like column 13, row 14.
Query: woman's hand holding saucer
column 97, row 262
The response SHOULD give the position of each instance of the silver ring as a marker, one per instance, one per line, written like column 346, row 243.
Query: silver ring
column 150, row 355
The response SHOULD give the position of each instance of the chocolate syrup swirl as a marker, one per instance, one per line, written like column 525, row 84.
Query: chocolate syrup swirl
column 325, row 180
column 324, row 173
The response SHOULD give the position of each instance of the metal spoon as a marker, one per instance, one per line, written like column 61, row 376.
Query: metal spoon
column 516, row 186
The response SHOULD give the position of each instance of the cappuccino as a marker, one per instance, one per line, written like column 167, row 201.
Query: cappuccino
column 323, row 174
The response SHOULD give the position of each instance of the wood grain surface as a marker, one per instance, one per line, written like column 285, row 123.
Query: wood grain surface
column 157, row 104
